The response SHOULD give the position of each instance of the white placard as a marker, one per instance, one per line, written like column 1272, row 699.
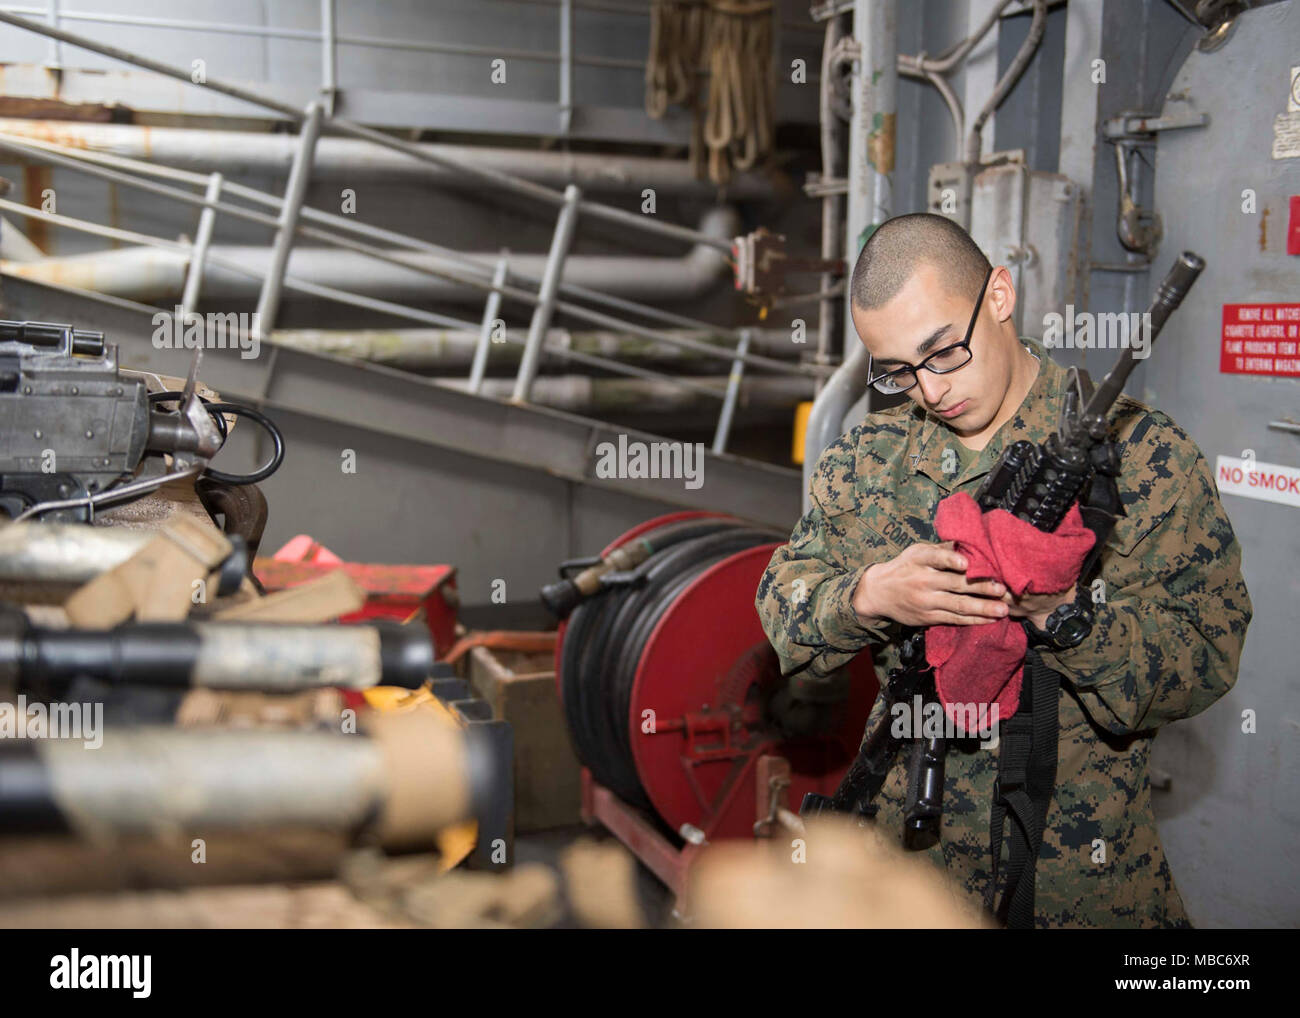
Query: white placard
column 1268, row 482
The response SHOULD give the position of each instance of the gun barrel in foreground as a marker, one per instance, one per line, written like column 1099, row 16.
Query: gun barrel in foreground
column 267, row 656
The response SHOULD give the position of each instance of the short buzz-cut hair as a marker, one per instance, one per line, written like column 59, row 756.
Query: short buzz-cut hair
column 892, row 253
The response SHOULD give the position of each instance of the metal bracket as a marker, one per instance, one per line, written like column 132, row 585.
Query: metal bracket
column 762, row 263
column 1140, row 229
column 1142, row 127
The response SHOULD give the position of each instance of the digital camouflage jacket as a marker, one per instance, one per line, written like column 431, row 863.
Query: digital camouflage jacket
column 1164, row 646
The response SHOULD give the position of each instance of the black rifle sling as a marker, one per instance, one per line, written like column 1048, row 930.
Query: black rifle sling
column 1023, row 790
column 1027, row 762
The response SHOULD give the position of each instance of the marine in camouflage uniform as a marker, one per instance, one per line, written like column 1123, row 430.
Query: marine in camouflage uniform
column 1165, row 643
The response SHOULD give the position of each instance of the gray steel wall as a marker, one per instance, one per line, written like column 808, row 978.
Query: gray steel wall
column 1232, row 811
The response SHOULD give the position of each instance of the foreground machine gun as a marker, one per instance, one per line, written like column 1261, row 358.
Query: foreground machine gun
column 1038, row 484
column 74, row 428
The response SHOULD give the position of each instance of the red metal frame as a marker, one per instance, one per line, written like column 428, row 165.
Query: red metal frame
column 665, row 860
column 392, row 592
column 709, row 763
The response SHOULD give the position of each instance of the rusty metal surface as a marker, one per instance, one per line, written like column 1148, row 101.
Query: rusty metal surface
column 28, row 107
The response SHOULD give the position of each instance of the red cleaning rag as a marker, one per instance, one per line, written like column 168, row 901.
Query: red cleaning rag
column 984, row 664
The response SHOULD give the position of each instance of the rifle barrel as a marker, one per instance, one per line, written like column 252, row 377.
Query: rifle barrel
column 1169, row 294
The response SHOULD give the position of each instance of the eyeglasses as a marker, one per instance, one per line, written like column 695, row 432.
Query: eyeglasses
column 950, row 358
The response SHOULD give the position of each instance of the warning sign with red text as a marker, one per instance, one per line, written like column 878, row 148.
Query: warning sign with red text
column 1269, row 482
column 1261, row 339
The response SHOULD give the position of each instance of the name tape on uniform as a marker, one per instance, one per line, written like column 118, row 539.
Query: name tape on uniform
column 1253, row 479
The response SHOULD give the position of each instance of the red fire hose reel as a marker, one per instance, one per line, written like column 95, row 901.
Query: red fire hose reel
column 700, row 758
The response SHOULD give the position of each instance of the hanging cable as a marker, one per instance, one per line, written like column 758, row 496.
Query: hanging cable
column 218, row 412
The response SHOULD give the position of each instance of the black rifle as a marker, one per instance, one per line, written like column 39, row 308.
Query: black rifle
column 1035, row 483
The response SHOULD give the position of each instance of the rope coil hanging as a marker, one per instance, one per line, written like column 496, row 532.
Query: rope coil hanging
column 732, row 40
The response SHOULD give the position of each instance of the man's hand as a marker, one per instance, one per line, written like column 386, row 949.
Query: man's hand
column 926, row 585
column 1036, row 607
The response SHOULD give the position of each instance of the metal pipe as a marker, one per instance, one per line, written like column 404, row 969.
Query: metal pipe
column 401, row 311
column 251, row 153
column 728, row 410
column 946, row 92
column 199, row 252
column 606, row 212
column 491, row 308
column 502, row 180
column 100, row 164
column 14, row 245
column 65, row 553
column 232, row 266
column 832, row 242
column 1026, row 53
column 328, row 55
column 945, row 63
column 884, row 82
column 768, row 396
column 151, row 277
column 455, row 349
column 826, row 420
column 546, row 295
column 700, row 386
column 243, row 270
column 871, row 134
column 55, row 58
column 566, row 65
column 655, row 278
column 268, row 303
column 154, row 779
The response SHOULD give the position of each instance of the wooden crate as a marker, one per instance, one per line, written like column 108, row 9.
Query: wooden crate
column 520, row 688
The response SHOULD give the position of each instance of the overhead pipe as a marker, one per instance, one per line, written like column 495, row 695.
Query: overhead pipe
column 153, row 275
column 449, row 350
column 340, row 125
column 974, row 139
column 1037, row 28
column 240, row 153
column 768, row 397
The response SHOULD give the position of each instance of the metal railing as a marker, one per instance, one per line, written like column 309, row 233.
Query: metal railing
column 292, row 218
column 329, row 40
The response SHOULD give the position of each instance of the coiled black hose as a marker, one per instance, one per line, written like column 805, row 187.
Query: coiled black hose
column 608, row 632
column 217, row 412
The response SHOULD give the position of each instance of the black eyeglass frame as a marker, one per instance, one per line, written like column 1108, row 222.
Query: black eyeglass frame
column 925, row 364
